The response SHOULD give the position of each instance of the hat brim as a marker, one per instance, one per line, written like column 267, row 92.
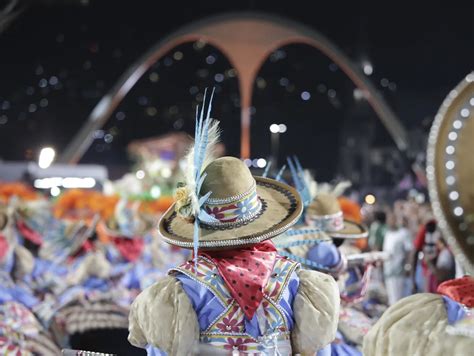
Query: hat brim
column 147, row 226
column 351, row 230
column 450, row 171
column 281, row 208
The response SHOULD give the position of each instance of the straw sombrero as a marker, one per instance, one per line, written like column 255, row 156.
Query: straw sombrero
column 325, row 213
column 241, row 210
column 450, row 170
column 323, row 210
column 127, row 222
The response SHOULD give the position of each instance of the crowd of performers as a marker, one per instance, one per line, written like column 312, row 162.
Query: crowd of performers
column 237, row 265
column 68, row 281
column 73, row 266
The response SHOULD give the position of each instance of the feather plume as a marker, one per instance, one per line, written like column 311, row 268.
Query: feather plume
column 200, row 155
column 298, row 176
column 267, row 169
column 335, row 190
column 310, row 183
column 279, row 175
column 341, row 187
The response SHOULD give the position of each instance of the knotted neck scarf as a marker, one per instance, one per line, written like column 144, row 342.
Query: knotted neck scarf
column 460, row 290
column 245, row 272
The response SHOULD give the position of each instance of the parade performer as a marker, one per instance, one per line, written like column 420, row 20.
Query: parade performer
column 315, row 243
column 21, row 333
column 237, row 294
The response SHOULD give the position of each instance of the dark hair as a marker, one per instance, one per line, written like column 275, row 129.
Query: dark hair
column 431, row 226
column 380, row 216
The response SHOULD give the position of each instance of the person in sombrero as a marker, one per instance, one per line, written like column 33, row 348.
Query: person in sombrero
column 237, row 295
column 321, row 231
column 322, row 241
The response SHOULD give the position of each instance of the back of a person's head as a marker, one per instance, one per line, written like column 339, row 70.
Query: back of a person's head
column 442, row 241
column 381, row 217
column 431, row 226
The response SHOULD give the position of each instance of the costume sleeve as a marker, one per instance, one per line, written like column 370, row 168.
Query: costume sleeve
column 162, row 316
column 94, row 264
column 415, row 325
column 316, row 312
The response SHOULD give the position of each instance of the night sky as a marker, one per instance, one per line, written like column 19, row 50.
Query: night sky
column 59, row 58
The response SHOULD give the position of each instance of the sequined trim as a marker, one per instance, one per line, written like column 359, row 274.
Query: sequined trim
column 329, row 223
column 232, row 199
column 280, row 278
column 207, row 276
column 219, row 317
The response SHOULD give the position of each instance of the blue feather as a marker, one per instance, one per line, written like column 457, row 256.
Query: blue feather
column 294, row 175
column 197, row 118
column 300, row 171
column 199, row 183
column 204, row 198
column 201, row 141
column 280, row 173
column 267, row 169
column 299, row 182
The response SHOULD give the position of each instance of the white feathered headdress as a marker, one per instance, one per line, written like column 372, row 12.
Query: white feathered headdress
column 335, row 190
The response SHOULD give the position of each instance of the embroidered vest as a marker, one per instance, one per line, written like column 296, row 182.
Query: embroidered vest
column 227, row 331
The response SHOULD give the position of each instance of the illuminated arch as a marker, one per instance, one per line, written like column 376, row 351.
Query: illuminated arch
column 246, row 39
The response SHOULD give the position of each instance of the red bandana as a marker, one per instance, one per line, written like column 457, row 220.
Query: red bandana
column 460, row 290
column 28, row 233
column 246, row 272
column 130, row 249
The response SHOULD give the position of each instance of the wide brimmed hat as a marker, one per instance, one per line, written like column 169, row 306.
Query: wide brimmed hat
column 450, row 170
column 241, row 210
column 127, row 222
column 325, row 213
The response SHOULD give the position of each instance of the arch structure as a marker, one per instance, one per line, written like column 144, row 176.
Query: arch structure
column 246, row 39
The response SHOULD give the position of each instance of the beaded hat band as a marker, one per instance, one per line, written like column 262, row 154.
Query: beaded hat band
column 232, row 211
column 273, row 209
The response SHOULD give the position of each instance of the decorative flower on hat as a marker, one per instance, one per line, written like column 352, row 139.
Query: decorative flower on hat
column 245, row 206
column 183, row 200
column 216, row 212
